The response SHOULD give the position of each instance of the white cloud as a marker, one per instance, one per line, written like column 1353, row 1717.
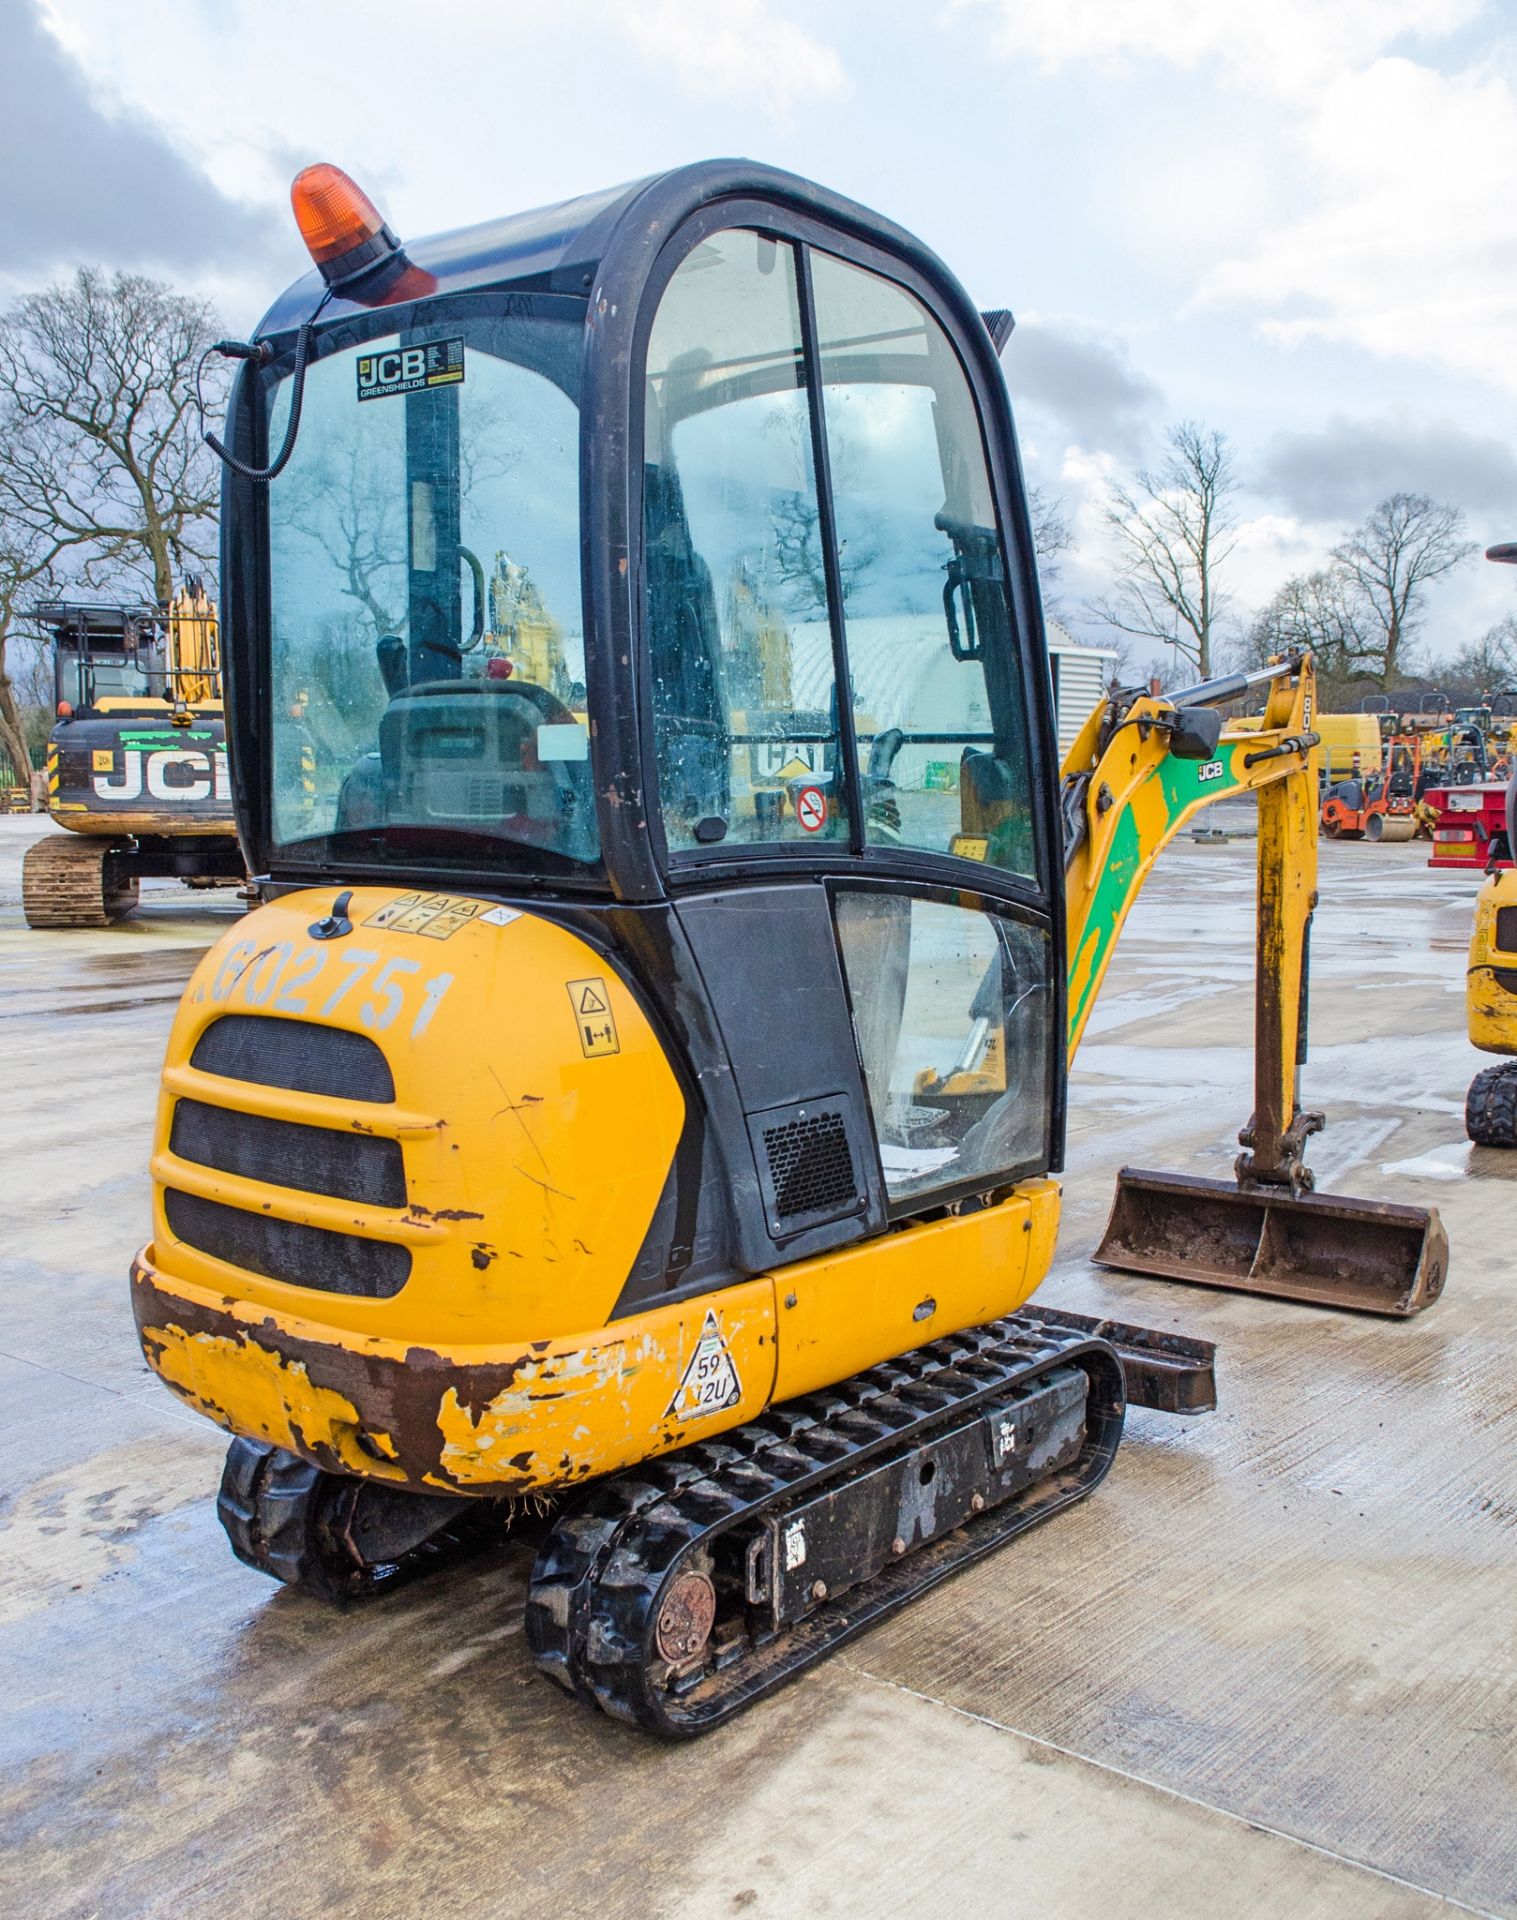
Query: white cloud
column 512, row 104
column 1269, row 548
column 741, row 49
column 1290, row 46
column 1405, row 250
column 1368, row 207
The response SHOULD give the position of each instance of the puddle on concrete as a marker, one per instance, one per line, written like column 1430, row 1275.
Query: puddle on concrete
column 110, row 1006
column 1439, row 1163
column 163, row 963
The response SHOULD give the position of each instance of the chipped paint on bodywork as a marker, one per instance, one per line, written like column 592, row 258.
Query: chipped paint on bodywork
column 207, row 1370
column 516, row 1418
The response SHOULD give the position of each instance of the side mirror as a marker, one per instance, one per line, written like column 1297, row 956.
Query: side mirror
column 1195, row 733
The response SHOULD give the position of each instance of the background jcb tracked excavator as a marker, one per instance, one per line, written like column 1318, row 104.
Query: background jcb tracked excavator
column 653, row 1104
column 136, row 760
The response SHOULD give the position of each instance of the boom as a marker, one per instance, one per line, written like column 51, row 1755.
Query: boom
column 1141, row 768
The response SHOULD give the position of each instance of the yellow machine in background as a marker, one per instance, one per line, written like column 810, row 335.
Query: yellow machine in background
column 582, row 1119
column 1490, row 1109
column 136, row 760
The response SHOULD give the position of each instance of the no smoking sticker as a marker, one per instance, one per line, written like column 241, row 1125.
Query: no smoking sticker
column 811, row 809
column 593, row 1015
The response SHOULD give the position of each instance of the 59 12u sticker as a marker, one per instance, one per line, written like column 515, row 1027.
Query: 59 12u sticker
column 710, row 1383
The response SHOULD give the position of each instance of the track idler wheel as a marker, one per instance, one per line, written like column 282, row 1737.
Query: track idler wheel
column 336, row 1536
column 1490, row 1107
column 72, row 881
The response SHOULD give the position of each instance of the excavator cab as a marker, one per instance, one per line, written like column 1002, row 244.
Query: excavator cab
column 641, row 1088
column 812, row 688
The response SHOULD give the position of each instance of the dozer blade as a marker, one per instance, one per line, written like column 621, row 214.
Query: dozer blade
column 1369, row 1255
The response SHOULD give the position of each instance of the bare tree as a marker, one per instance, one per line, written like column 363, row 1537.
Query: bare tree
column 1484, row 666
column 26, row 571
column 795, row 529
column 1173, row 532
column 100, row 455
column 1322, row 613
column 1051, row 531
column 1407, row 543
column 348, row 505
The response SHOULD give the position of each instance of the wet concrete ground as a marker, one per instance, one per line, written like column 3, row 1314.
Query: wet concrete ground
column 1268, row 1669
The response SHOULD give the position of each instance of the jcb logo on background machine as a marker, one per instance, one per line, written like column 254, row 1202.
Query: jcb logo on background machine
column 171, row 774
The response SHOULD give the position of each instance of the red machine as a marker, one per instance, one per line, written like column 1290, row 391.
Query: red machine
column 1470, row 829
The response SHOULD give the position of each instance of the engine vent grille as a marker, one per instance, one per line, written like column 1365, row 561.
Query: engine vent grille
column 295, row 1054
column 1506, row 929
column 806, row 1163
column 349, row 1166
column 283, row 1250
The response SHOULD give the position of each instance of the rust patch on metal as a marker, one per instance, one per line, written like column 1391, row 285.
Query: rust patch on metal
column 686, row 1616
column 399, row 1397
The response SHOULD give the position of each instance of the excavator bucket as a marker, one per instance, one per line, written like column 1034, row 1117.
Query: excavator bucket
column 1369, row 1255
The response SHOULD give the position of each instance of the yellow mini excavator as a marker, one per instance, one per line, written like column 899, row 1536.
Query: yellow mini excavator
column 648, row 1105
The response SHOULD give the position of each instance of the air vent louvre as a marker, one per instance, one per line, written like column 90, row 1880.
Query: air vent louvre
column 285, row 1250
column 297, row 1055
column 808, row 1163
column 285, row 1153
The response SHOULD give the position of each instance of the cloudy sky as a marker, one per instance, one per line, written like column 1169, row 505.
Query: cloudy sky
column 1285, row 218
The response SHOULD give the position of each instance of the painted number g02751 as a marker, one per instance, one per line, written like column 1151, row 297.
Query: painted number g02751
column 298, row 978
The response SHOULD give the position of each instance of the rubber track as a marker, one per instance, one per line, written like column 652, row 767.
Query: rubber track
column 595, row 1590
column 284, row 1518
column 1490, row 1108
column 63, row 884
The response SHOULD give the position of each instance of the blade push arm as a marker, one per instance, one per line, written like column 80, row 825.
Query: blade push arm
column 1131, row 782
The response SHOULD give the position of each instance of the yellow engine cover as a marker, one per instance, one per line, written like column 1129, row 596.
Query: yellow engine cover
column 1491, row 983
column 535, row 1116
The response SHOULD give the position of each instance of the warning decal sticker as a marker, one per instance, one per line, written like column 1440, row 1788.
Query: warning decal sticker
column 710, row 1383
column 594, row 1018
column 436, row 916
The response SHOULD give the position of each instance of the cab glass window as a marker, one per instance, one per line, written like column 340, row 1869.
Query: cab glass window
column 744, row 702
column 427, row 671
column 936, row 682
column 953, row 1012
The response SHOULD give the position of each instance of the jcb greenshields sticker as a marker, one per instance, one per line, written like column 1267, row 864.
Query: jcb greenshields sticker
column 434, row 363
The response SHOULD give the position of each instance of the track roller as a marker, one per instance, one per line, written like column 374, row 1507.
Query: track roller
column 677, row 1593
column 337, row 1537
column 70, row 880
